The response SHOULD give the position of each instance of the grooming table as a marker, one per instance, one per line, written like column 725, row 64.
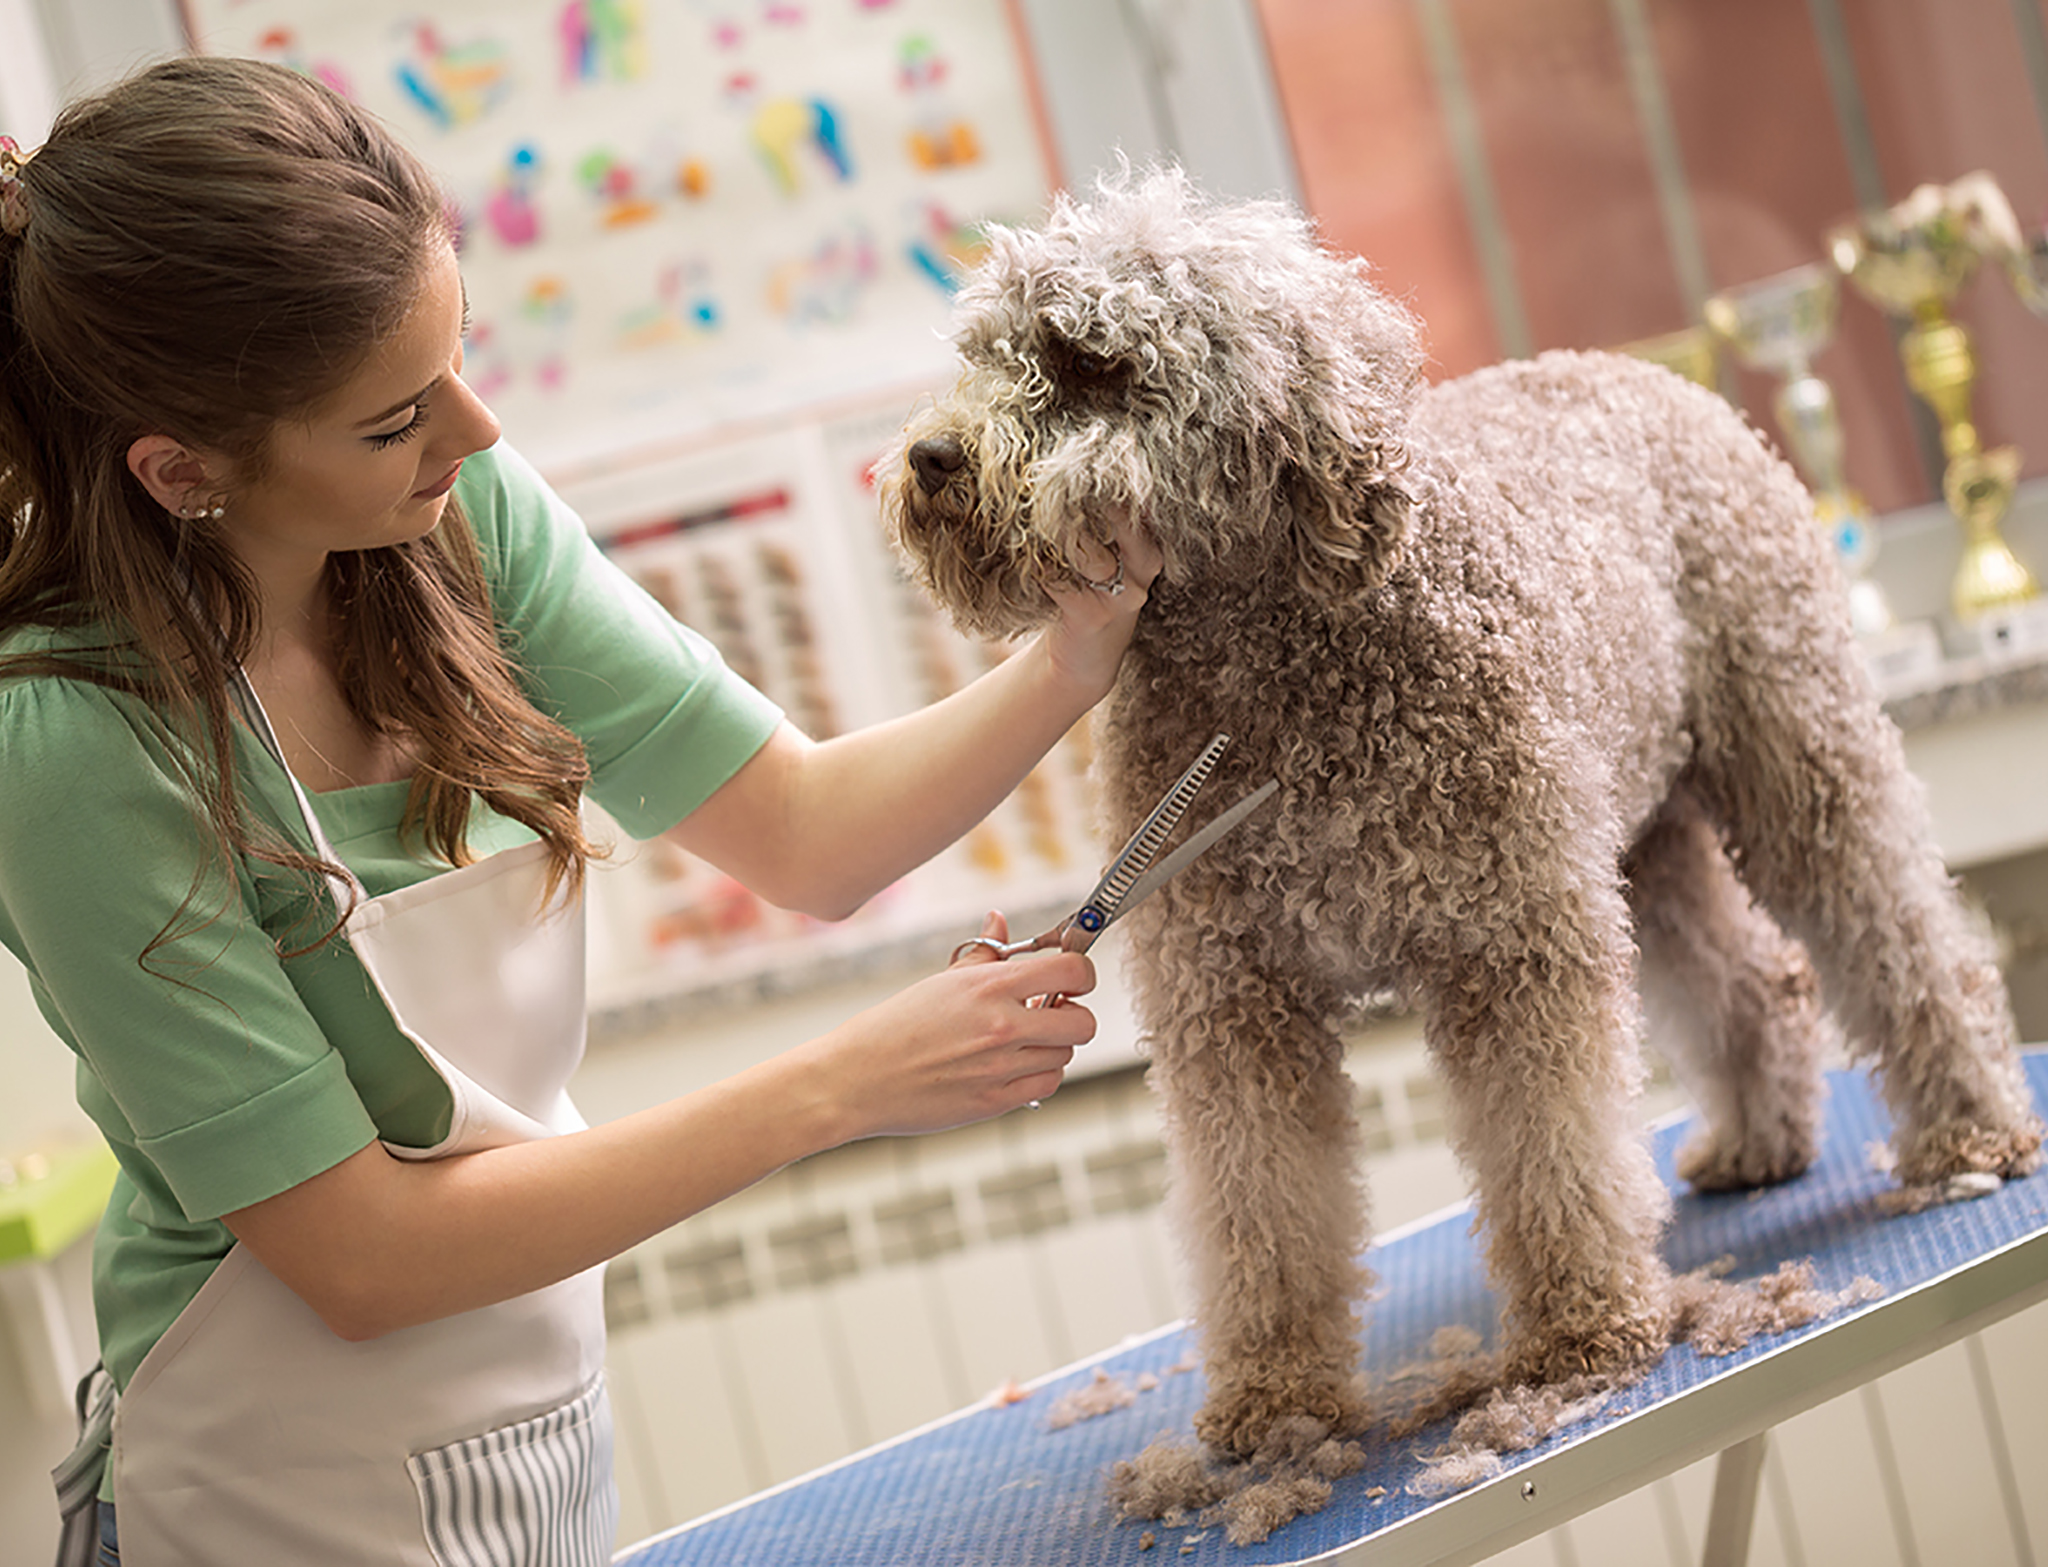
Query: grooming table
column 995, row 1485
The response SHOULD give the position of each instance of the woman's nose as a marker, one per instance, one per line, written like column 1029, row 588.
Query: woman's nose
column 478, row 425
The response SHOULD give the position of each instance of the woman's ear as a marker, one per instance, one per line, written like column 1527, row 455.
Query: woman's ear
column 177, row 478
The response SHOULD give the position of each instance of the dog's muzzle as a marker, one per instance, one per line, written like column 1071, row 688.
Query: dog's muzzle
column 935, row 459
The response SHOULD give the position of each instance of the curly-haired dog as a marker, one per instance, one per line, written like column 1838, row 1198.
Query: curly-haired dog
column 1556, row 674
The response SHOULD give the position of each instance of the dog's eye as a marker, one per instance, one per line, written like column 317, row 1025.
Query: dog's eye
column 1090, row 367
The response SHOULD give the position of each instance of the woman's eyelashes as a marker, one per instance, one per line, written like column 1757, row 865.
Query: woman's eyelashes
column 405, row 432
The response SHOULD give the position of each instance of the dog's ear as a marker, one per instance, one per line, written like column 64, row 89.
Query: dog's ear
column 1342, row 487
column 1345, row 511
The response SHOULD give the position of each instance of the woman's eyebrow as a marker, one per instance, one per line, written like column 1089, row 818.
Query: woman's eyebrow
column 421, row 395
column 402, row 404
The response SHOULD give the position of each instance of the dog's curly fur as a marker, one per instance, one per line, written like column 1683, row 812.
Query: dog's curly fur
column 1555, row 672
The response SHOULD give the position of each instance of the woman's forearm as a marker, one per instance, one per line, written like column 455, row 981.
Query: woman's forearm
column 824, row 826
column 378, row 1243
column 879, row 802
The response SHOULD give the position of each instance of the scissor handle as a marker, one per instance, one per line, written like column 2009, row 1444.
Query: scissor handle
column 1009, row 949
column 1068, row 936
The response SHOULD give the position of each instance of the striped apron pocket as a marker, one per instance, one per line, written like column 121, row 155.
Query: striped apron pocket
column 535, row 1494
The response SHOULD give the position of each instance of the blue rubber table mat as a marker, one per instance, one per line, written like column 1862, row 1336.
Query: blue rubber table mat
column 999, row 1486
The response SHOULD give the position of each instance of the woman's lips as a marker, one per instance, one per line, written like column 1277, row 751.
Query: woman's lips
column 440, row 487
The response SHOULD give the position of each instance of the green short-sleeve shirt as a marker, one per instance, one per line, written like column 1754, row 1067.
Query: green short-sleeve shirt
column 220, row 1071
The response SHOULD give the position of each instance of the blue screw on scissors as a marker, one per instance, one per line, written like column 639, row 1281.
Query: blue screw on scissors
column 1132, row 877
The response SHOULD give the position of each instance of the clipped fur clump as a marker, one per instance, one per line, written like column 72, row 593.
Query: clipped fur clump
column 1509, row 1420
column 1512, row 1423
column 1102, row 1395
column 1718, row 1318
column 1574, row 742
column 1963, row 1186
column 1264, row 1505
column 1291, row 1473
column 1455, row 1472
column 1714, row 1315
column 1293, row 1470
column 1169, row 1481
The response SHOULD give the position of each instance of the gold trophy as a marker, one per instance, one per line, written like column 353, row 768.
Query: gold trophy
column 1911, row 261
column 1777, row 324
column 1999, row 238
column 1690, row 352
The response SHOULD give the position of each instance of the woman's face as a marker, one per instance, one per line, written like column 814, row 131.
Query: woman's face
column 373, row 464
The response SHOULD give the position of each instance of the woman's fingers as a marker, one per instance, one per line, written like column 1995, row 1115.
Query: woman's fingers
column 1035, row 973
column 1046, row 973
column 1143, row 559
column 994, row 928
column 1035, row 1086
column 1130, row 557
column 964, row 1044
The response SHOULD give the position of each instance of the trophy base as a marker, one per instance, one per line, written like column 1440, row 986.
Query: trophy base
column 2002, row 635
column 1991, row 582
column 1904, row 656
column 1869, row 612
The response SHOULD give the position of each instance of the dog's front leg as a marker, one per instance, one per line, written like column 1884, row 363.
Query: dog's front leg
column 1268, row 1197
column 1536, row 1033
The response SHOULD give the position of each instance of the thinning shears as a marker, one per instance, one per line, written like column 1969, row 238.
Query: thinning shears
column 1132, row 877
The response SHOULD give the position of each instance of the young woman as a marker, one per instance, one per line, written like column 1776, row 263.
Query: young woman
column 302, row 677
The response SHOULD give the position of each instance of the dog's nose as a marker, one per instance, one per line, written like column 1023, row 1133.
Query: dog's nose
column 936, row 459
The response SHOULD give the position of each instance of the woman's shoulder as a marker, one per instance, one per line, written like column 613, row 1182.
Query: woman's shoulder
column 504, row 497
column 62, row 703
column 99, row 801
column 35, row 640
column 536, row 552
column 60, row 669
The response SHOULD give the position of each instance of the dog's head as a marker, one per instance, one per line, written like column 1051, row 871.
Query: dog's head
column 1204, row 369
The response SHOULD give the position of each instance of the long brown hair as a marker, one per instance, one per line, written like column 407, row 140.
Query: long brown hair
column 206, row 250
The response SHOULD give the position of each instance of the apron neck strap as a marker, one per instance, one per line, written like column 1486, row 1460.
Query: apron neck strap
column 347, row 890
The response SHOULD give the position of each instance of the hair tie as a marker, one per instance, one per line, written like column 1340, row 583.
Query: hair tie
column 13, row 194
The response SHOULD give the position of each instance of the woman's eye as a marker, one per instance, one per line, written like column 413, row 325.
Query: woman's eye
column 405, row 433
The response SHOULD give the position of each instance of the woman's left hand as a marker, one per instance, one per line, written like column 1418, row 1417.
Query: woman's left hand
column 1087, row 642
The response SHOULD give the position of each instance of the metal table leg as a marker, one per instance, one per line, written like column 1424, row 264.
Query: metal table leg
column 1732, row 1518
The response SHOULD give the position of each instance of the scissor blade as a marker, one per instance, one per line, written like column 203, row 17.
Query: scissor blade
column 1198, row 843
column 1102, row 904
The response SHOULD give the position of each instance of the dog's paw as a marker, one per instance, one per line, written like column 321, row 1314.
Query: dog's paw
column 1951, row 1148
column 1238, row 1420
column 1621, row 1341
column 1707, row 1164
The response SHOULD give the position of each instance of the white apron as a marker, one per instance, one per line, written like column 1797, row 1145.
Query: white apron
column 252, row 1434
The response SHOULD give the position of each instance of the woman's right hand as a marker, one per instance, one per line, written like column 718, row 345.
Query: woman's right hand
column 958, row 1047
column 378, row 1243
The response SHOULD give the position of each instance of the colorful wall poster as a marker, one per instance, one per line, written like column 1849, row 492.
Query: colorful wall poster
column 683, row 215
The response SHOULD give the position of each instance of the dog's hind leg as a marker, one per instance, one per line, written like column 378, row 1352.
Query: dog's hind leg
column 1732, row 1003
column 1267, row 1197
column 1535, row 1026
column 1831, row 834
